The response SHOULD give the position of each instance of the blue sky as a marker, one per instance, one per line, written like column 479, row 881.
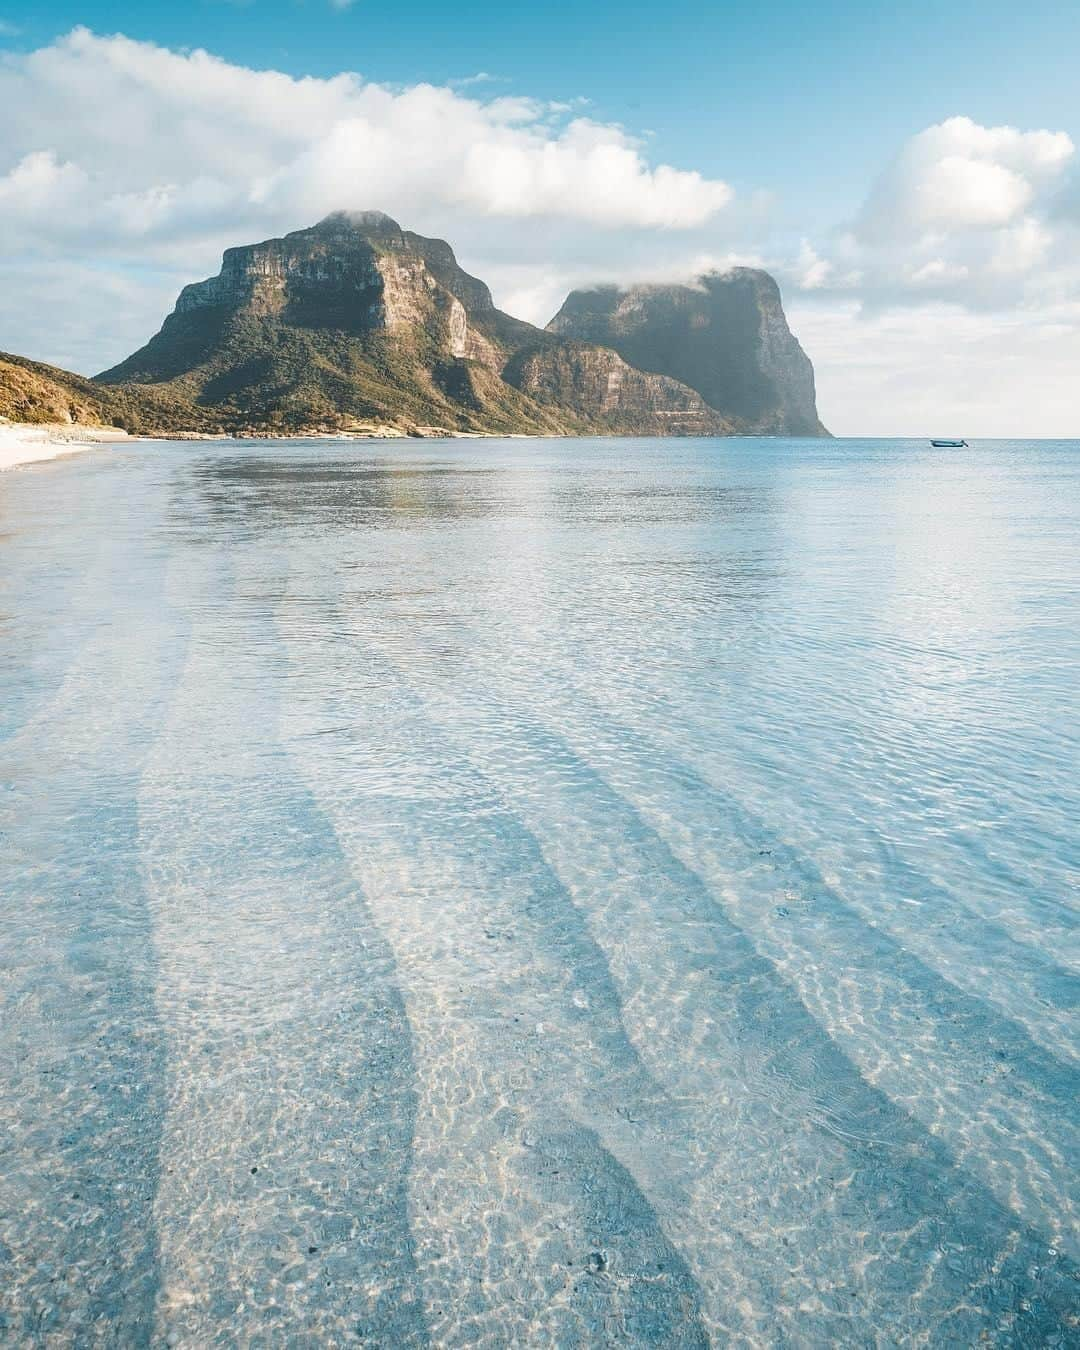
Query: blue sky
column 803, row 100
column 819, row 141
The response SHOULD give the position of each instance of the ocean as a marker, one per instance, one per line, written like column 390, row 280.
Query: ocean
column 540, row 892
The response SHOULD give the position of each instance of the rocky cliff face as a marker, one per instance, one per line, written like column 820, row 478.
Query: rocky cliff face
column 358, row 267
column 356, row 274
column 356, row 322
column 598, row 385
column 352, row 324
column 726, row 337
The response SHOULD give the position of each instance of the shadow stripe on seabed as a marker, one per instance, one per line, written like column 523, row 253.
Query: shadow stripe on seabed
column 600, row 1179
column 1035, row 1100
column 84, row 1063
column 932, row 1183
column 954, row 1015
column 287, row 1139
column 961, row 1021
column 1044, row 971
column 512, row 1186
column 972, row 933
column 59, row 586
column 666, row 678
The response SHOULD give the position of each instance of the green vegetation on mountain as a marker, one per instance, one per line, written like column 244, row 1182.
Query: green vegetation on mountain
column 33, row 392
column 356, row 325
column 347, row 326
column 595, row 385
column 725, row 336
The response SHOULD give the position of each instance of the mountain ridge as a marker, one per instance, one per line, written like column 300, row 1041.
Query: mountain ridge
column 355, row 324
column 37, row 394
column 354, row 321
column 725, row 336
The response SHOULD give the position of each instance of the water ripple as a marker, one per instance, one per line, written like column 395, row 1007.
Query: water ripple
column 549, row 893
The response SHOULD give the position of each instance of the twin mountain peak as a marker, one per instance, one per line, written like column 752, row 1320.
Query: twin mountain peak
column 357, row 325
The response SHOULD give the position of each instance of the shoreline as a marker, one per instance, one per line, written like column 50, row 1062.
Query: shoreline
column 382, row 433
column 24, row 443
column 35, row 442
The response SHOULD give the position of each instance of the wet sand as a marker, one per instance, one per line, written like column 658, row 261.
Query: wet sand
column 30, row 443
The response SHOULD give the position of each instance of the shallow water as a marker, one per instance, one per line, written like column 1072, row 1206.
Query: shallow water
column 540, row 893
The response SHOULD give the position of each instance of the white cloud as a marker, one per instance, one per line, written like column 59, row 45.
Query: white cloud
column 965, row 214
column 936, row 271
column 40, row 183
column 200, row 148
column 126, row 168
column 481, row 77
column 812, row 271
column 125, row 151
column 938, row 370
column 952, row 300
column 958, row 176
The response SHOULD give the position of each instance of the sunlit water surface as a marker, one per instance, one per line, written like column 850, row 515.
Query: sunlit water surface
column 540, row 893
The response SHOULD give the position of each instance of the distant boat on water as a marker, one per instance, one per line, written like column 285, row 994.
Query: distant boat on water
column 946, row 445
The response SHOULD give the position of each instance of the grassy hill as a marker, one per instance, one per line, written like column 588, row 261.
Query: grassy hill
column 31, row 391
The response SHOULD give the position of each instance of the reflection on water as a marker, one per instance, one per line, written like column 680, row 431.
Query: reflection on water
column 570, row 893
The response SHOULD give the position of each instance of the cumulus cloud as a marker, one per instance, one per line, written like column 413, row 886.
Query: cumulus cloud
column 124, row 150
column 966, row 214
column 812, row 270
column 167, row 145
column 951, row 299
column 959, row 176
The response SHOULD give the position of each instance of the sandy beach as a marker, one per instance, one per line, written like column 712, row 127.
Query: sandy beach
column 28, row 443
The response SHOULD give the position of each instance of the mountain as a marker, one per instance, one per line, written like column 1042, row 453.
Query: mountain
column 725, row 337
column 358, row 325
column 31, row 391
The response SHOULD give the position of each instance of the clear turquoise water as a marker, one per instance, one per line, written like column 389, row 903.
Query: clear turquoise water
column 540, row 893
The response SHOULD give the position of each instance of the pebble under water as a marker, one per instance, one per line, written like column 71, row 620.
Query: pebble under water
column 549, row 893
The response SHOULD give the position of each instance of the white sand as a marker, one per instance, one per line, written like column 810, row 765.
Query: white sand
column 25, row 443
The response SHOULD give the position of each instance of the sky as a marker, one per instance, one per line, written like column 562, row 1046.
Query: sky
column 909, row 174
